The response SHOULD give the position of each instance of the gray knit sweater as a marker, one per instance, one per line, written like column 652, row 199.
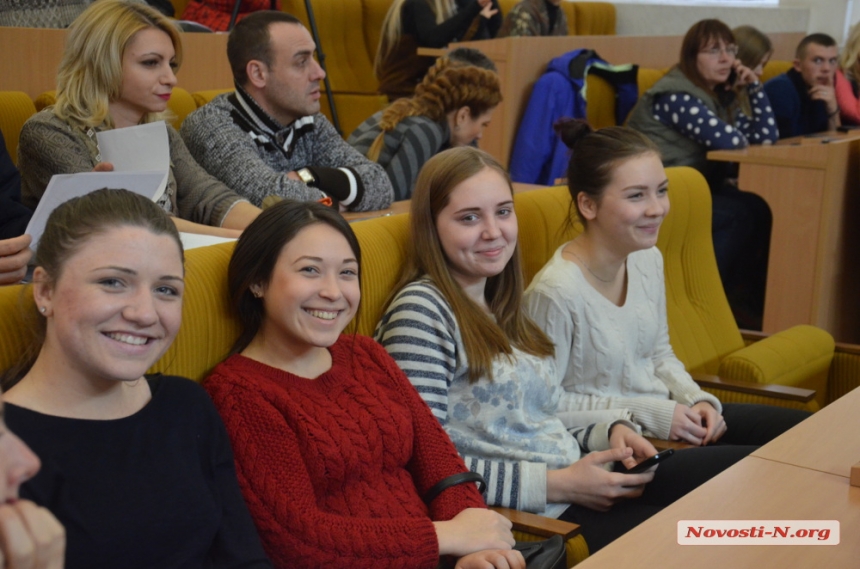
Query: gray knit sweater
column 241, row 145
column 41, row 13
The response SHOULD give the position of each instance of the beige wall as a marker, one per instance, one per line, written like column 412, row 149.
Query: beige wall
column 828, row 16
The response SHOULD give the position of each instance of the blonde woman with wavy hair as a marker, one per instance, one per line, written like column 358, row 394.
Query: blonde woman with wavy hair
column 848, row 79
column 118, row 70
column 451, row 107
column 411, row 24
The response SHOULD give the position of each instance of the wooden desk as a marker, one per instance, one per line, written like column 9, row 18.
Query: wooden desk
column 811, row 187
column 827, row 442
column 753, row 489
column 801, row 475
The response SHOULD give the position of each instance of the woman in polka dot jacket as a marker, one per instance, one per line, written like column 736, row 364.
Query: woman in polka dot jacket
column 694, row 109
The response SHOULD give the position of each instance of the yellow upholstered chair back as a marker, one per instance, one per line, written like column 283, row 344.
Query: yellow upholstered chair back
column 646, row 77
column 600, row 97
column 203, row 97
column 702, row 328
column 383, row 253
column 774, row 68
column 374, row 12
column 179, row 7
column 15, row 108
column 181, row 104
column 590, row 18
column 507, row 5
column 342, row 36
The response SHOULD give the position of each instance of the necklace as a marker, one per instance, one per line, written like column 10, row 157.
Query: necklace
column 587, row 268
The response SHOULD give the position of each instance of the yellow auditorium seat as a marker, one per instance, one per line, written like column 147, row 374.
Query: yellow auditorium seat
column 774, row 68
column 592, row 18
column 373, row 12
column 179, row 7
column 15, row 108
column 348, row 56
column 203, row 97
column 181, row 104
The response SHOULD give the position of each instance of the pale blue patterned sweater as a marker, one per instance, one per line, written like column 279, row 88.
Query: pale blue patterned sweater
column 507, row 429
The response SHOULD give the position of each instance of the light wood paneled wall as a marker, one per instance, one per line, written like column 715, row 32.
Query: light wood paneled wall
column 31, row 57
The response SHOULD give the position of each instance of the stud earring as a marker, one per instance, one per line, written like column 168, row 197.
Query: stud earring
column 42, row 310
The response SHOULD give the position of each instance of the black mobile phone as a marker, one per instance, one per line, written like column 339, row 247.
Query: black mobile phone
column 649, row 462
column 733, row 78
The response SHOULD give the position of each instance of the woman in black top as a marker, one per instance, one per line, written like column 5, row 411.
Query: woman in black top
column 411, row 24
column 138, row 469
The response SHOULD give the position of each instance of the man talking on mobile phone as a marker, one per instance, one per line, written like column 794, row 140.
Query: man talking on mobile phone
column 804, row 98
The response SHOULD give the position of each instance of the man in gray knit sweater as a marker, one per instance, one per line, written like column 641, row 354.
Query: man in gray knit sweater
column 268, row 137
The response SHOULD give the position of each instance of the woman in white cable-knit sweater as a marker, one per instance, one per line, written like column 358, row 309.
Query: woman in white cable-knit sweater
column 601, row 299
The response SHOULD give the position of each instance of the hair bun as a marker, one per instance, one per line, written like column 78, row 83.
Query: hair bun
column 571, row 130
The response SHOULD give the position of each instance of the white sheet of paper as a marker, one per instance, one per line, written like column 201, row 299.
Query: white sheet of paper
column 64, row 187
column 195, row 240
column 144, row 147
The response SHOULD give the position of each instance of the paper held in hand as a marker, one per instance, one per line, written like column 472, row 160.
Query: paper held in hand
column 64, row 187
column 141, row 148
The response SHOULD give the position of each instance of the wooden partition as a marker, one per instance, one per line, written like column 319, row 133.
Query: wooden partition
column 521, row 61
column 32, row 55
column 813, row 270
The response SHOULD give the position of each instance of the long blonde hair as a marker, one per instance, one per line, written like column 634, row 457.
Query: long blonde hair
column 483, row 337
column 448, row 86
column 848, row 59
column 90, row 73
column 392, row 26
column 753, row 47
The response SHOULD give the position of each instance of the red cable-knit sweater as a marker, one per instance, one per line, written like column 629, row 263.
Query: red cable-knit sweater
column 333, row 469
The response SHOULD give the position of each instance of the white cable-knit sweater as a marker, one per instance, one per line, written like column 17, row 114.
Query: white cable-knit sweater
column 614, row 356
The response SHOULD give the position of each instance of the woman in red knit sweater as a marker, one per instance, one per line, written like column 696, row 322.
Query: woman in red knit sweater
column 334, row 447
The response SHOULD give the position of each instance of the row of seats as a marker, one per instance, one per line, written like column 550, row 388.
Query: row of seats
column 349, row 36
column 16, row 107
column 702, row 330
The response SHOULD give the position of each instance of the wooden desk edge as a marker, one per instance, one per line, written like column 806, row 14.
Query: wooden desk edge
column 744, row 156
